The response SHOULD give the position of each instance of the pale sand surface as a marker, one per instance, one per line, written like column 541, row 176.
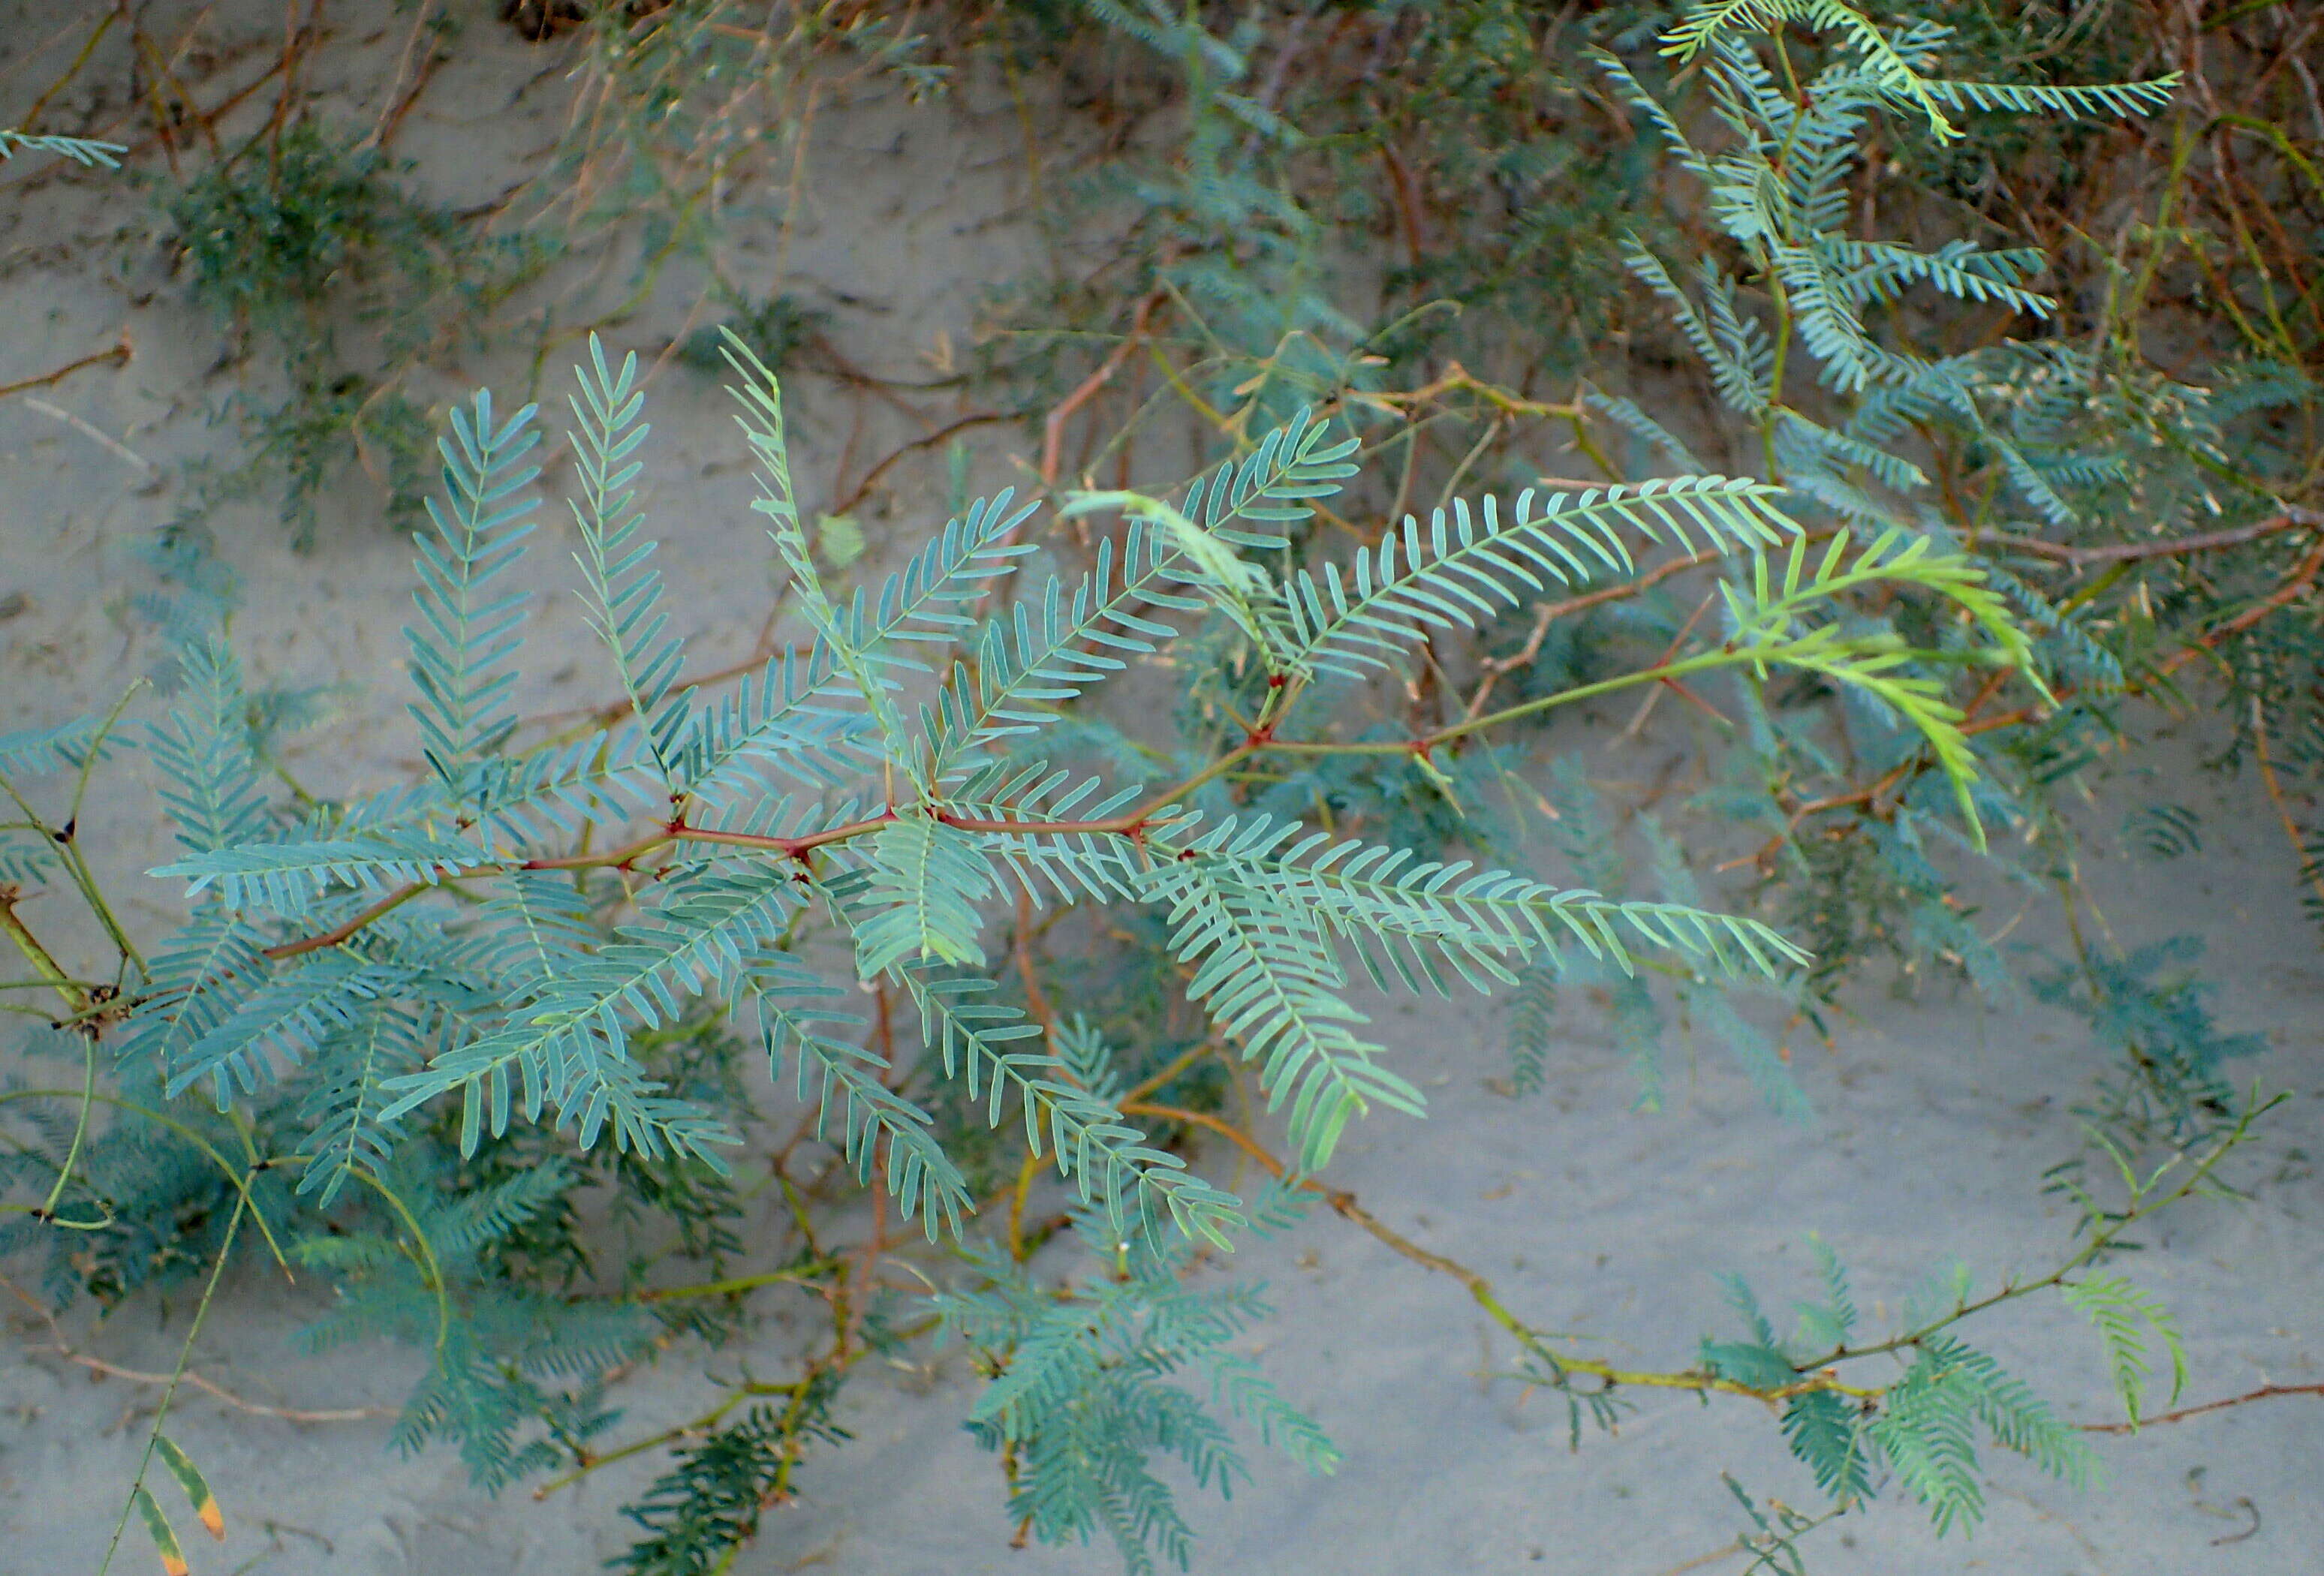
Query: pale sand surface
column 1937, row 1117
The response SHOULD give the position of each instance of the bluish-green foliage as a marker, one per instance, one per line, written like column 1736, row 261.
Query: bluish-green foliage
column 711, row 1502
column 1089, row 1387
column 309, row 249
column 408, row 1034
column 2153, row 1009
column 1926, row 1426
column 86, row 151
column 350, row 968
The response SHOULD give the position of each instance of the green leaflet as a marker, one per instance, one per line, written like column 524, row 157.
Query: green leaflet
column 60, row 747
column 1464, row 567
column 1090, row 1386
column 711, row 1502
column 79, row 150
column 843, row 1080
column 172, row 1553
column 926, row 880
column 467, row 635
column 623, row 591
column 2128, row 1319
column 1110, row 1162
column 1927, row 1430
column 210, row 778
column 1053, row 652
column 1266, row 973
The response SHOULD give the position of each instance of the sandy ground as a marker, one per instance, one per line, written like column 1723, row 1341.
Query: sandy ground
column 1937, row 1117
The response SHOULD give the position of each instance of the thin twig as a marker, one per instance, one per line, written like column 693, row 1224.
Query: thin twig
column 2291, row 519
column 119, row 354
column 863, row 489
column 43, row 962
column 2313, row 871
column 212, row 1387
column 1548, row 613
column 2265, row 1393
column 1346, row 1205
column 30, row 119
column 1053, row 426
column 391, row 116
column 604, row 717
column 2302, row 576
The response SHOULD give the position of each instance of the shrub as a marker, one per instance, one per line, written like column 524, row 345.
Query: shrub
column 402, row 1037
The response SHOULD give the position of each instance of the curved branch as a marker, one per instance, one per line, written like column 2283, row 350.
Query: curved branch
column 2291, row 519
column 2265, row 1393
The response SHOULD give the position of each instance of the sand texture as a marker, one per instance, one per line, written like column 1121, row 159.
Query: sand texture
column 1936, row 1116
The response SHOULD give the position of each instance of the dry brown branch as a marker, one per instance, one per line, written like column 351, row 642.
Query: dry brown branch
column 1052, row 427
column 298, row 40
column 2308, row 870
column 606, row 716
column 399, row 100
column 1408, row 204
column 31, row 117
column 1346, row 1205
column 2265, row 1393
column 120, row 353
column 210, row 1387
column 863, row 489
column 2173, row 548
column 62, row 1349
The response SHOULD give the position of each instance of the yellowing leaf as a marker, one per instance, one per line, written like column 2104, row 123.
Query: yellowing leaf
column 165, row 1541
column 197, row 1489
column 839, row 538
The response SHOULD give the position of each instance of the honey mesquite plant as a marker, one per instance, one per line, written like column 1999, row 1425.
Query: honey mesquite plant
column 400, row 1033
column 758, row 826
column 858, row 811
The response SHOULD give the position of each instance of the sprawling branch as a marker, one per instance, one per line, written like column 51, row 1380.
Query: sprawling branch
column 2291, row 519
